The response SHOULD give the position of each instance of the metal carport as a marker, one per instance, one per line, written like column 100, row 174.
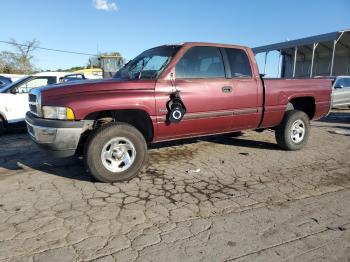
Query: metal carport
column 320, row 55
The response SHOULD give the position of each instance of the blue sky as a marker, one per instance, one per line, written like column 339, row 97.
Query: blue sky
column 131, row 26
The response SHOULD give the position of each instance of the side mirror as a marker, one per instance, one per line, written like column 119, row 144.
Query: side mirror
column 13, row 91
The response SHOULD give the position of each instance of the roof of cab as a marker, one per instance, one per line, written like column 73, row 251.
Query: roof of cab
column 212, row 44
column 205, row 44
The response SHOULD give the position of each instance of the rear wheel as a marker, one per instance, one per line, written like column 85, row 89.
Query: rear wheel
column 293, row 133
column 116, row 152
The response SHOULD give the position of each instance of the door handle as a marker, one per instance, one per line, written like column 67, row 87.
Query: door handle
column 227, row 89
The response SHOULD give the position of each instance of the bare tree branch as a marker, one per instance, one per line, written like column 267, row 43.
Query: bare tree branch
column 21, row 60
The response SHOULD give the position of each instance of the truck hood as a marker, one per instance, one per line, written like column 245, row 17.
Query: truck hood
column 96, row 86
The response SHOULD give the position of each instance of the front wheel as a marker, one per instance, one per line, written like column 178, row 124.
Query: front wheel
column 294, row 130
column 115, row 152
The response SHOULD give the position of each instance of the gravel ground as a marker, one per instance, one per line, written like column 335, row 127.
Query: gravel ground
column 209, row 199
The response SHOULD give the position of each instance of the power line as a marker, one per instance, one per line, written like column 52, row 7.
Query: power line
column 50, row 49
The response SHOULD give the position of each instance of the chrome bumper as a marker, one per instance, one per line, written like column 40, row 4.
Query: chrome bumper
column 61, row 138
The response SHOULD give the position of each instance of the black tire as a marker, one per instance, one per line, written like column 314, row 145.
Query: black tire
column 284, row 130
column 2, row 125
column 96, row 143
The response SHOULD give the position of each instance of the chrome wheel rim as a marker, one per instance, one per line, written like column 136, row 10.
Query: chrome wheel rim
column 297, row 131
column 118, row 154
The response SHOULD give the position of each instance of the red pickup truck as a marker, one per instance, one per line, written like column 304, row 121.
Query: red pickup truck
column 166, row 93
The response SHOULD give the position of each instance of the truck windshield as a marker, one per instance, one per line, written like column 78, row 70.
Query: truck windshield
column 149, row 64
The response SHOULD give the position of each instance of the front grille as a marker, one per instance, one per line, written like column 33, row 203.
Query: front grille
column 32, row 98
column 33, row 104
column 33, row 109
column 34, row 101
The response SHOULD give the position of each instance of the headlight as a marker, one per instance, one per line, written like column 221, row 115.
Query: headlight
column 54, row 112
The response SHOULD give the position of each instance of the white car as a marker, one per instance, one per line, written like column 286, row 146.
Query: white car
column 341, row 91
column 14, row 97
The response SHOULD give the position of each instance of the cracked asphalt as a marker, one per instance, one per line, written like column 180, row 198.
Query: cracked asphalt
column 209, row 199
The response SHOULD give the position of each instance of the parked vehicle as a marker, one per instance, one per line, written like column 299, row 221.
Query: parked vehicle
column 4, row 81
column 14, row 97
column 73, row 77
column 167, row 93
column 341, row 91
column 91, row 73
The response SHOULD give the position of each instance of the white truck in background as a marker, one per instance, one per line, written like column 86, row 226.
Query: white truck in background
column 14, row 97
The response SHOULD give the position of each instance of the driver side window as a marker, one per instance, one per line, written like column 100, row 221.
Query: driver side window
column 201, row 62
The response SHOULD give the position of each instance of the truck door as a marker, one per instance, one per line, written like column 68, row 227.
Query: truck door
column 205, row 91
column 246, row 110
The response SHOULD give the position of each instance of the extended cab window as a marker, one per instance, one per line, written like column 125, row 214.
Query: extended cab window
column 201, row 62
column 239, row 63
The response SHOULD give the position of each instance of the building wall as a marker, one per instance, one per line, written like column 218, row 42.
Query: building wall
column 322, row 63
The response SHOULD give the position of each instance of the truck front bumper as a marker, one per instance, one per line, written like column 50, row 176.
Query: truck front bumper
column 60, row 138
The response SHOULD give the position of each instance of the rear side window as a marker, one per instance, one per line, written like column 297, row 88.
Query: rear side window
column 239, row 63
column 201, row 62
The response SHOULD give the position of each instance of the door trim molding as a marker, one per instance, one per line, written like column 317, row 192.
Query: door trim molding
column 201, row 115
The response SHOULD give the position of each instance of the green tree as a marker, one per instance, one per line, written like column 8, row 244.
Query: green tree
column 95, row 62
column 8, row 62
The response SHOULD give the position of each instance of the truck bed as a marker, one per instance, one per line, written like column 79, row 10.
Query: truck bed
column 278, row 92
